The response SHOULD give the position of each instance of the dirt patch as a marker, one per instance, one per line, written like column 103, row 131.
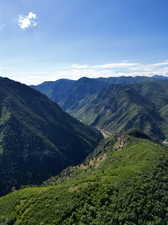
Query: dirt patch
column 121, row 142
column 94, row 162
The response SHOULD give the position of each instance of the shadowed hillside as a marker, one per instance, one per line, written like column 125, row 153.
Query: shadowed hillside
column 37, row 139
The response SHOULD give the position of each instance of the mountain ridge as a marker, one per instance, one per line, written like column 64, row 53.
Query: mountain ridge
column 117, row 104
column 122, row 107
column 37, row 139
column 69, row 93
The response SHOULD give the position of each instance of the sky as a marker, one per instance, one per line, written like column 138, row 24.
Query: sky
column 42, row 40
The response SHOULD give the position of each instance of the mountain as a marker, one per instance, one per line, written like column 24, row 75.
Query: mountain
column 37, row 139
column 70, row 94
column 161, row 77
column 124, row 183
column 121, row 107
column 115, row 104
column 56, row 90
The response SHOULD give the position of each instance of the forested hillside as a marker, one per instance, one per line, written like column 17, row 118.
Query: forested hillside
column 123, row 183
column 72, row 94
column 116, row 104
column 37, row 139
column 119, row 108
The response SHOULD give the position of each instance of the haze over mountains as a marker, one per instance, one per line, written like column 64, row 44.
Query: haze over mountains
column 115, row 104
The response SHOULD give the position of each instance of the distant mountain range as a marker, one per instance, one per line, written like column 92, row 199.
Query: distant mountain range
column 115, row 104
column 37, row 139
column 70, row 93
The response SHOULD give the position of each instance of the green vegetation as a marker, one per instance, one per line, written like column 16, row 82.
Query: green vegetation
column 37, row 139
column 124, row 184
column 120, row 108
column 123, row 181
column 71, row 94
column 115, row 104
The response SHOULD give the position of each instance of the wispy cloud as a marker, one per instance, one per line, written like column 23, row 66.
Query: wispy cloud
column 123, row 67
column 75, row 71
column 105, row 66
column 116, row 65
column 27, row 21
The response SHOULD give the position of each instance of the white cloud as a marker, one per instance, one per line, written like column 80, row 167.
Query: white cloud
column 116, row 65
column 30, row 20
column 105, row 66
column 122, row 67
column 75, row 71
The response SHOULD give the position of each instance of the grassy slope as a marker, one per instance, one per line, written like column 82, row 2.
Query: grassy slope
column 123, row 187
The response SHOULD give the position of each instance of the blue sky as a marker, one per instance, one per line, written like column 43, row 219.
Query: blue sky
column 51, row 39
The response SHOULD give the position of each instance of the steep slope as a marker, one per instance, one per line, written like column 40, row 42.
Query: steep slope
column 125, row 183
column 37, row 139
column 56, row 90
column 71, row 95
column 115, row 104
column 119, row 108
